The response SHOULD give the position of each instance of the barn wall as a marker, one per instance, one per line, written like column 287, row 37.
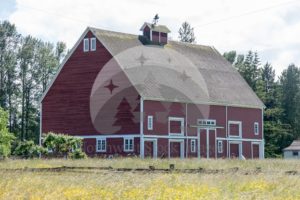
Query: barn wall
column 78, row 103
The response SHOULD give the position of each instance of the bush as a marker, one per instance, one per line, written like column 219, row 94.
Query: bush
column 28, row 149
column 77, row 154
column 6, row 137
column 61, row 145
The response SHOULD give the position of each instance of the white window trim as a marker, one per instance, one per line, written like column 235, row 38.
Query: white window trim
column 213, row 122
column 220, row 146
column 193, row 146
column 84, row 41
column 124, row 144
column 101, row 150
column 178, row 119
column 240, row 128
column 256, row 124
column 150, row 125
column 91, row 46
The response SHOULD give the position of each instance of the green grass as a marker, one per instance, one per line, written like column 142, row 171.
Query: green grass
column 271, row 183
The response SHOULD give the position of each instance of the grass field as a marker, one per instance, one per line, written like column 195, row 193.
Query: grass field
column 265, row 179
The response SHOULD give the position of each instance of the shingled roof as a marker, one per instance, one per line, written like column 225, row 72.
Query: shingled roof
column 178, row 72
column 295, row 146
column 158, row 28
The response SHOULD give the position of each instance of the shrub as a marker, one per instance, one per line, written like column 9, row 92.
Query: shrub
column 28, row 149
column 61, row 145
column 77, row 154
column 6, row 137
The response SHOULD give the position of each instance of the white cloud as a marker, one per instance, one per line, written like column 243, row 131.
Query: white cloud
column 272, row 32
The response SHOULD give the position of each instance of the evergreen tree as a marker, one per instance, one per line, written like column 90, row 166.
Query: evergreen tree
column 124, row 117
column 186, row 33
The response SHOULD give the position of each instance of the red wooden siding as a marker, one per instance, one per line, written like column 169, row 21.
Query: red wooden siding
column 175, row 149
column 248, row 116
column 234, row 150
column 255, row 151
column 163, row 38
column 233, row 129
column 71, row 107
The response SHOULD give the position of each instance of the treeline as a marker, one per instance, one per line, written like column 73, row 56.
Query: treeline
column 27, row 65
column 281, row 96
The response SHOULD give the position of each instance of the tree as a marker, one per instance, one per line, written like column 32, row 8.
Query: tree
column 230, row 56
column 6, row 137
column 290, row 90
column 186, row 33
column 124, row 117
column 9, row 39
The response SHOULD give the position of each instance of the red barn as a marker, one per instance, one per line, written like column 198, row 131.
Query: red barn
column 145, row 95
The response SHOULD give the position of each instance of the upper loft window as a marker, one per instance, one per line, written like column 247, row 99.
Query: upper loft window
column 150, row 122
column 93, row 44
column 176, row 125
column 235, row 128
column 86, row 45
column 207, row 122
column 256, row 128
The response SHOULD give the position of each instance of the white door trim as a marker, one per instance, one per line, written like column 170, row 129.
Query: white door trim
column 240, row 148
column 259, row 150
column 181, row 147
column 154, row 140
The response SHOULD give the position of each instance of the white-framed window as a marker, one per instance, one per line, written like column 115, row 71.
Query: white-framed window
column 193, row 146
column 220, row 146
column 207, row 122
column 86, row 45
column 150, row 122
column 101, row 145
column 93, row 44
column 128, row 144
column 235, row 128
column 176, row 125
column 256, row 128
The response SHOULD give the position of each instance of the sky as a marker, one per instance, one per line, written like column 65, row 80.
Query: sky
column 270, row 27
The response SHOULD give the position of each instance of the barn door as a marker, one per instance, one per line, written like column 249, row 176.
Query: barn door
column 176, row 149
column 235, row 150
column 255, row 151
column 149, row 149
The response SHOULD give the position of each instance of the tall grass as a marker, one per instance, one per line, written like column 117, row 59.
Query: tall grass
column 271, row 183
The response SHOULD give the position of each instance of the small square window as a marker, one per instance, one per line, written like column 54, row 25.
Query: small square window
column 86, row 45
column 220, row 146
column 128, row 144
column 193, row 146
column 256, row 128
column 176, row 125
column 101, row 145
column 93, row 44
column 295, row 153
column 150, row 122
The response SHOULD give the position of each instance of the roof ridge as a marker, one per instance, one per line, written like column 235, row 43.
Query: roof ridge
column 131, row 34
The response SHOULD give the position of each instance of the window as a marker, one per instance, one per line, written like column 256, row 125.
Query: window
column 150, row 122
column 235, row 128
column 193, row 146
column 176, row 125
column 101, row 145
column 86, row 45
column 208, row 122
column 256, row 128
column 220, row 146
column 128, row 144
column 93, row 44
column 295, row 153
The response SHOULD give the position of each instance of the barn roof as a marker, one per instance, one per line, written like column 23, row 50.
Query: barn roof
column 294, row 146
column 158, row 28
column 178, row 72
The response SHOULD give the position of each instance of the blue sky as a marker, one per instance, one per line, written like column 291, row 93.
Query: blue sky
column 270, row 27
